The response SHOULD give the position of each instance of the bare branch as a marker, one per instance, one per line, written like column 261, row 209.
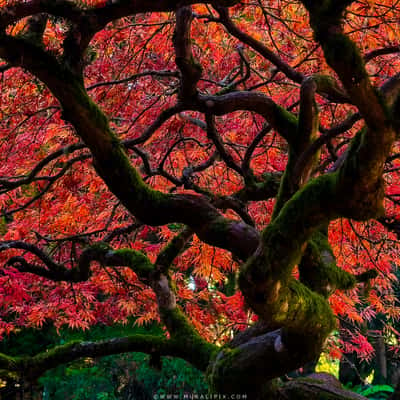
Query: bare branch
column 258, row 46
column 216, row 139
column 131, row 78
column 189, row 68
column 9, row 183
column 381, row 52
column 161, row 119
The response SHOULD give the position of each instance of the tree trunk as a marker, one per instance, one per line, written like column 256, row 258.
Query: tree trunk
column 380, row 367
column 315, row 387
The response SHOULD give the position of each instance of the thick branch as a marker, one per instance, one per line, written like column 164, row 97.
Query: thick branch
column 177, row 324
column 189, row 68
column 318, row 269
column 17, row 244
column 172, row 250
column 381, row 52
column 344, row 57
column 100, row 252
column 284, row 122
column 260, row 188
column 264, row 355
column 36, row 26
column 296, row 175
column 35, row 366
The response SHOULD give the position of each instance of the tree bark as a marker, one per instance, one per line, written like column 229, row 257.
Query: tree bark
column 316, row 387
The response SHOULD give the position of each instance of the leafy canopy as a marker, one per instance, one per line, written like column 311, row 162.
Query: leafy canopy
column 148, row 151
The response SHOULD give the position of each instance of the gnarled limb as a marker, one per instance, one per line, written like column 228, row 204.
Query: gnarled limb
column 297, row 310
column 32, row 367
column 189, row 68
column 185, row 341
column 296, row 175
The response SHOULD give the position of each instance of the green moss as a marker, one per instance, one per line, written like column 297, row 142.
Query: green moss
column 318, row 269
column 104, row 253
column 101, row 247
column 219, row 373
column 285, row 121
column 309, row 208
column 283, row 239
column 3, row 226
column 266, row 278
column 132, row 257
column 360, row 178
column 325, row 83
column 290, row 304
column 172, row 250
column 9, row 363
column 308, row 311
column 199, row 351
column 51, row 355
column 91, row 107
column 136, row 260
column 286, row 188
column 339, row 49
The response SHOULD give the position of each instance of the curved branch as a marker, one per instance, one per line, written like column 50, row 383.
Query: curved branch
column 191, row 344
column 9, row 184
column 100, row 252
column 32, row 367
column 189, row 68
column 109, row 159
column 343, row 56
column 252, row 147
column 172, row 250
column 307, row 128
column 50, row 181
column 20, row 245
column 161, row 119
column 258, row 46
column 389, row 89
column 172, row 147
column 283, row 121
column 260, row 188
column 216, row 139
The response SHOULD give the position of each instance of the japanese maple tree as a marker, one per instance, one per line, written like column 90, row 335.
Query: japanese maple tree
column 226, row 169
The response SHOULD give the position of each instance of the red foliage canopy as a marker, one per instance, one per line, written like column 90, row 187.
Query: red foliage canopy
column 240, row 116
